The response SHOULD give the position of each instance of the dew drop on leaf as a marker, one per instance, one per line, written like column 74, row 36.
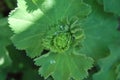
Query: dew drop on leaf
column 52, row 61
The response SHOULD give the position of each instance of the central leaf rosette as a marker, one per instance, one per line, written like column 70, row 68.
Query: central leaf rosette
column 62, row 41
column 63, row 36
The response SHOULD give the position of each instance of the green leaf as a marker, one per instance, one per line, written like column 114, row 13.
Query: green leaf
column 118, row 71
column 30, row 27
column 100, row 30
column 109, row 65
column 64, row 66
column 2, row 75
column 100, row 2
column 31, row 74
column 5, row 35
column 112, row 6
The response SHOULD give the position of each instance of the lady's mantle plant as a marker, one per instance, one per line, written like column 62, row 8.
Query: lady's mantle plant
column 50, row 27
column 69, row 30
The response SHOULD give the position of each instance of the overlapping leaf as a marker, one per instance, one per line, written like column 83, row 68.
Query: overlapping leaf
column 118, row 71
column 100, row 30
column 109, row 65
column 5, row 35
column 112, row 6
column 100, row 1
column 30, row 26
column 64, row 66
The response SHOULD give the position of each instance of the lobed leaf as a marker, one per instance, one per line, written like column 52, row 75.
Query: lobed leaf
column 64, row 66
column 33, row 23
column 112, row 6
column 100, row 30
column 31, row 26
column 109, row 65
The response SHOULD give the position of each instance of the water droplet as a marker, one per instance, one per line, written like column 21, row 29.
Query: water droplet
column 52, row 61
column 61, row 27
